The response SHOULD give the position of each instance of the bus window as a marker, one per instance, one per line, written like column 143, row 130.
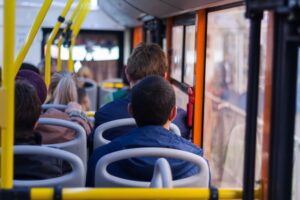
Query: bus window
column 226, row 73
column 296, row 171
column 189, row 58
column 177, row 47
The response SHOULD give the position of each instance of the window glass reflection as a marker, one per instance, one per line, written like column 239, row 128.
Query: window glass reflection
column 226, row 74
column 176, row 62
column 189, row 58
column 296, row 172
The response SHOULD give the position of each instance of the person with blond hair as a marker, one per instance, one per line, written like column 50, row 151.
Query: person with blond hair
column 63, row 90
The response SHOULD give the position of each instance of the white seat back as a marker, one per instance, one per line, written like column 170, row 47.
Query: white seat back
column 99, row 140
column 75, row 178
column 104, row 179
column 91, row 90
column 76, row 145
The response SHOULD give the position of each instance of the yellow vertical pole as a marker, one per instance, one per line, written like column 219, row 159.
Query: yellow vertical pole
column 59, row 66
column 60, row 41
column 51, row 39
column 70, row 61
column 75, row 30
column 7, row 95
column 35, row 27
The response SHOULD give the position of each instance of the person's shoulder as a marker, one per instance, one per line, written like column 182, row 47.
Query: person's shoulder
column 112, row 105
column 184, row 144
column 114, row 110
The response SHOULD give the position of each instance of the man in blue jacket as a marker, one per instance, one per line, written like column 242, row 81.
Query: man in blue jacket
column 153, row 108
column 145, row 60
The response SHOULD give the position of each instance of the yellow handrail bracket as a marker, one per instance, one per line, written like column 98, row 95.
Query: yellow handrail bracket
column 51, row 39
column 35, row 27
column 60, row 41
column 84, row 10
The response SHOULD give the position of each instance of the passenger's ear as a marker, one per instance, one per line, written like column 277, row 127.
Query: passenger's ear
column 173, row 113
column 166, row 75
column 129, row 108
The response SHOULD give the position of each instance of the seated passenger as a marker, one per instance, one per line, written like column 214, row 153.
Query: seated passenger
column 62, row 90
column 27, row 112
column 153, row 117
column 83, row 99
column 145, row 60
column 30, row 67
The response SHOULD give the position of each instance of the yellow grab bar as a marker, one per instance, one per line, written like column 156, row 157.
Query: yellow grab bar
column 75, row 30
column 38, row 21
column 60, row 41
column 137, row 193
column 59, row 67
column 7, row 95
column 90, row 113
column 80, row 19
column 113, row 85
column 76, row 11
column 50, row 41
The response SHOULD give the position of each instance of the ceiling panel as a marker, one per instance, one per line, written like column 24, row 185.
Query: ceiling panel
column 188, row 4
column 155, row 8
column 120, row 12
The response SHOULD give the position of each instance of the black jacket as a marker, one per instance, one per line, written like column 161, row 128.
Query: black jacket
column 34, row 167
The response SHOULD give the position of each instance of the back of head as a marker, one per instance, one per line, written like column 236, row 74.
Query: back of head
column 27, row 106
column 145, row 60
column 65, row 91
column 85, row 72
column 152, row 101
column 83, row 99
column 35, row 80
column 62, row 88
column 28, row 66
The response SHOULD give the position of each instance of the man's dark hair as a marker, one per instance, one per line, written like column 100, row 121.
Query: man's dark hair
column 30, row 67
column 27, row 106
column 152, row 101
column 146, row 59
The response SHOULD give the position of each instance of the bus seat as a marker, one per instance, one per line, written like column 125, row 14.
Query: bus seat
column 99, row 140
column 91, row 90
column 60, row 107
column 104, row 179
column 75, row 178
column 77, row 145
column 162, row 174
column 107, row 88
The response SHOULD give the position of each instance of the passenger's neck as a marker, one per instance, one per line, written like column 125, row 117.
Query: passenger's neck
column 167, row 125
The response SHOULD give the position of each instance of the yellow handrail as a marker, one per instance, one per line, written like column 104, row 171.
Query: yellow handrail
column 60, row 41
column 38, row 21
column 137, row 193
column 90, row 113
column 75, row 30
column 7, row 95
column 50, row 41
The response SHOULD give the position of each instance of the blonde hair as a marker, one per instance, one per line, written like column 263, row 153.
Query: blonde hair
column 62, row 88
column 85, row 72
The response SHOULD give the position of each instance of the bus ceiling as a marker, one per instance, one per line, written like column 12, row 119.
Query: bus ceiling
column 132, row 13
